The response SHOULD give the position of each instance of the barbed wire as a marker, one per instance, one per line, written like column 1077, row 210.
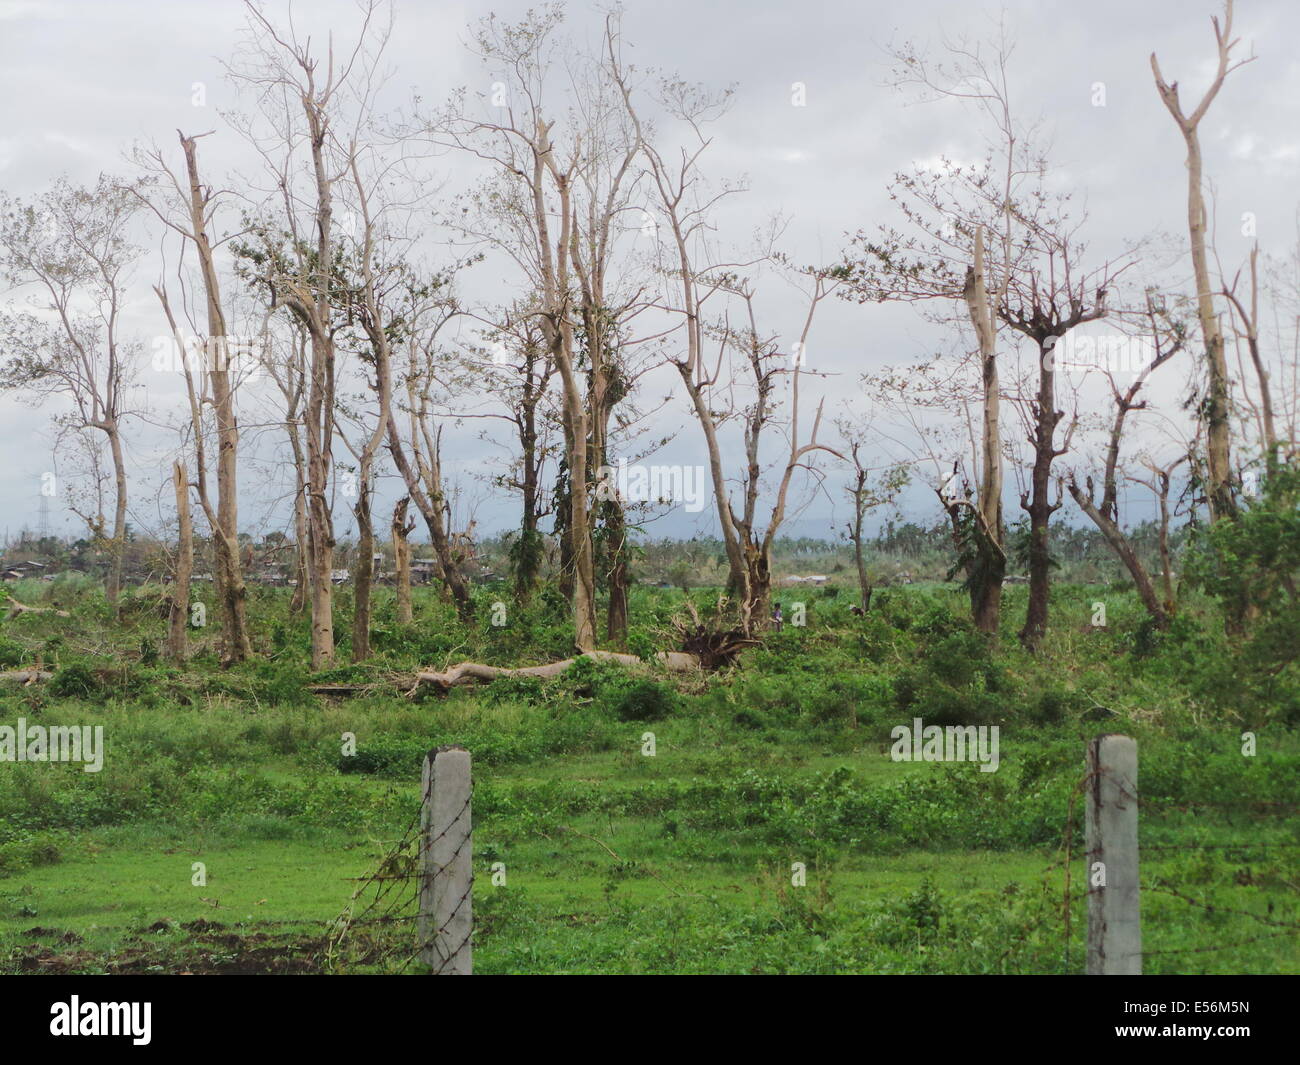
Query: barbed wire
column 390, row 895
column 388, row 898
column 1253, row 808
column 1218, row 846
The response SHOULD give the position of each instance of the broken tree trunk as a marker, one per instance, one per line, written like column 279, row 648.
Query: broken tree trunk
column 16, row 608
column 401, row 530
column 470, row 672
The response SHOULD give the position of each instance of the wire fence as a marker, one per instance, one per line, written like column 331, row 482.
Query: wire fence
column 413, row 909
column 1236, row 815
column 415, row 905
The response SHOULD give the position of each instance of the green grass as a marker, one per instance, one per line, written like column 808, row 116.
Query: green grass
column 617, row 862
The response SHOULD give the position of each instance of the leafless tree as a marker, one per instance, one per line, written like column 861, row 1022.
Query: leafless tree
column 1035, row 287
column 1217, row 401
column 72, row 247
column 1168, row 340
column 562, row 193
column 312, row 107
column 188, row 207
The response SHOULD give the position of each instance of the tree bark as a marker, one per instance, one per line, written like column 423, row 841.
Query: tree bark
column 528, row 551
column 230, row 588
column 117, row 548
column 363, row 572
column 179, row 612
column 616, row 558
column 402, row 561
column 302, row 575
column 1166, row 561
column 985, row 578
column 1039, row 505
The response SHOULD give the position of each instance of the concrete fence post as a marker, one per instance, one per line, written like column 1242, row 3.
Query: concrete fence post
column 1114, row 923
column 446, row 922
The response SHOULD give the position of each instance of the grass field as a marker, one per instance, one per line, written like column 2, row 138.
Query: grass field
column 616, row 862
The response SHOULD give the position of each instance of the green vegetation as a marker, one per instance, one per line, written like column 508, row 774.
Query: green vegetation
column 681, row 862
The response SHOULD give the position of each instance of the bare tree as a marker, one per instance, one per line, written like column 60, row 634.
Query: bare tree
column 687, row 214
column 952, row 210
column 869, row 488
column 1217, row 401
column 1245, row 321
column 1044, row 302
column 542, row 176
column 315, row 104
column 365, row 297
column 286, row 364
column 1159, row 482
column 520, row 373
column 72, row 246
column 414, row 440
column 1035, row 287
column 1105, row 513
column 188, row 207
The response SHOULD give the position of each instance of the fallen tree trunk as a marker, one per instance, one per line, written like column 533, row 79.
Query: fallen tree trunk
column 25, row 676
column 471, row 672
column 16, row 608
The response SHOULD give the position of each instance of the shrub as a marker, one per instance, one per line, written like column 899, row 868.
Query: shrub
column 75, row 681
column 644, row 700
column 11, row 654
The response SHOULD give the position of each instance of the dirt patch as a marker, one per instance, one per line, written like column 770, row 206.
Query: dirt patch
column 39, row 959
column 209, row 950
column 202, row 925
column 53, row 933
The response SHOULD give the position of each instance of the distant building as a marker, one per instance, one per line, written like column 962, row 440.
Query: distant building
column 22, row 571
column 423, row 570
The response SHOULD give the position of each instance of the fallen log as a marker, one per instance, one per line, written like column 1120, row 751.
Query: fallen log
column 472, row 672
column 16, row 608
column 25, row 676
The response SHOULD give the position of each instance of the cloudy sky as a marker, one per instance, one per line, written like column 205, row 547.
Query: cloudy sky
column 82, row 81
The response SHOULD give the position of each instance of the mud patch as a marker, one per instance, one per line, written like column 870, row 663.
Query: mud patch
column 210, row 949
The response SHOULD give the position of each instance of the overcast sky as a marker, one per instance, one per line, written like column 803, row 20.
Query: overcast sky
column 81, row 81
